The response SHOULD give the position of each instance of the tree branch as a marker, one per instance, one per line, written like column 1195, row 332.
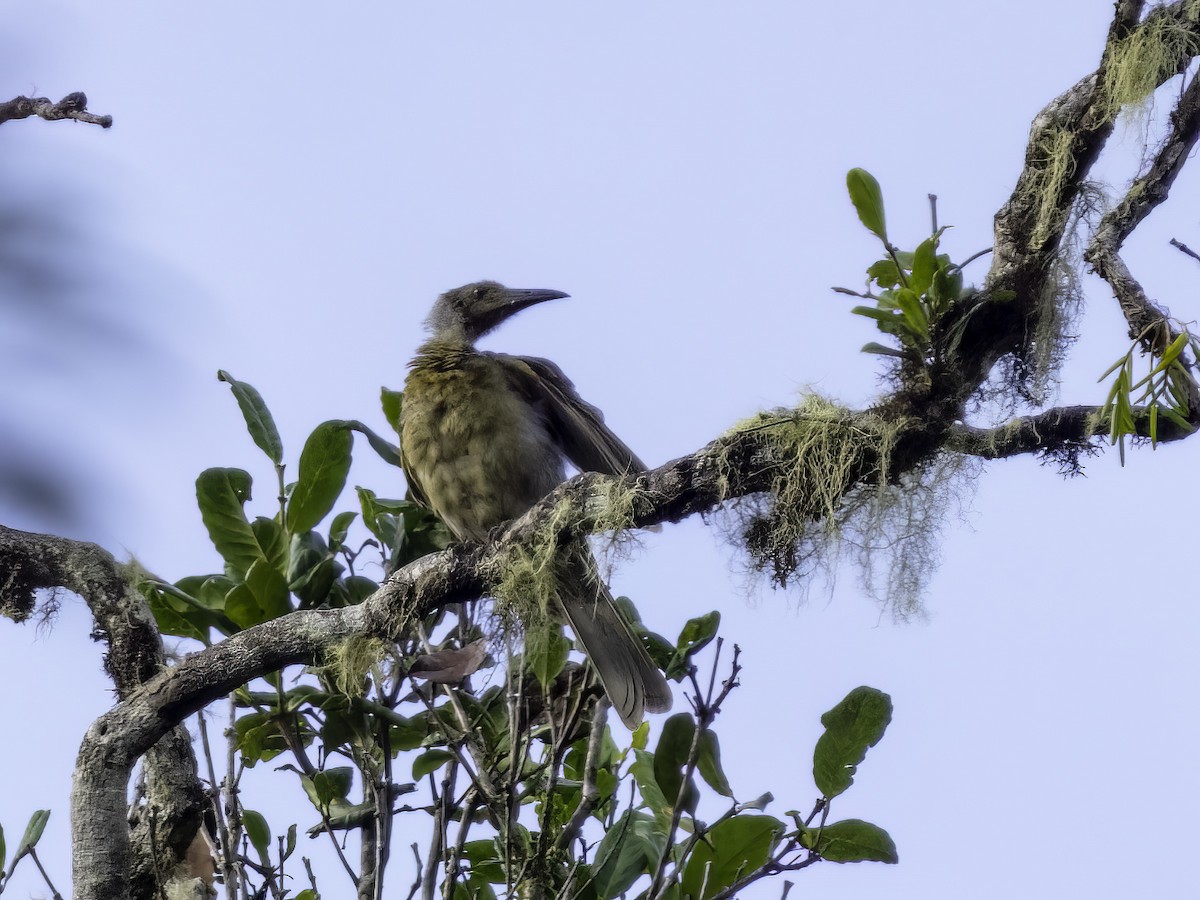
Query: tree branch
column 175, row 799
column 72, row 106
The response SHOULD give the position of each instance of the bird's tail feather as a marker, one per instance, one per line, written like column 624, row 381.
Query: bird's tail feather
column 632, row 681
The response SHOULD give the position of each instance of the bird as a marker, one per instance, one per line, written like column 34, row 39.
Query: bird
column 484, row 436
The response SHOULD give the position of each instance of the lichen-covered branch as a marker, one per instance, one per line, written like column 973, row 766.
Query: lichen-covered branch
column 73, row 106
column 174, row 798
column 1065, row 140
column 1148, row 323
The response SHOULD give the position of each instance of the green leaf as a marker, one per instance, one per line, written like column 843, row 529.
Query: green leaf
column 392, row 402
column 868, row 201
column 881, row 350
column 339, row 528
column 430, row 761
column 946, row 286
column 220, row 494
column 485, row 859
column 263, row 596
column 629, row 849
column 1171, row 353
column 259, row 833
column 258, row 738
column 642, row 771
column 546, row 650
column 883, row 316
column 311, row 568
column 324, row 464
column 258, row 418
column 33, row 834
column 670, row 757
column 3, row 850
column 291, row 843
column 272, row 542
column 732, row 850
column 914, row 312
column 884, row 272
column 387, row 451
column 853, row 840
column 176, row 617
column 851, row 727
column 332, row 785
column 924, row 266
column 308, row 894
column 697, row 633
column 709, row 764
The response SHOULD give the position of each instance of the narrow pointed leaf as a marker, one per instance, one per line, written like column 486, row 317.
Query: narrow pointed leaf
column 709, row 764
column 258, row 418
column 880, row 350
column 387, row 451
column 33, row 833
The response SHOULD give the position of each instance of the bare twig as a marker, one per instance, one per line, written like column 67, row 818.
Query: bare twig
column 72, row 106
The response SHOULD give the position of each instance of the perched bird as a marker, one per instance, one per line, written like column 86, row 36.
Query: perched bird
column 484, row 436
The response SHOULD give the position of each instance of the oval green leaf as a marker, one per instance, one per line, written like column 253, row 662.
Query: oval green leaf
column 851, row 727
column 430, row 761
column 868, row 201
column 324, row 464
column 220, row 494
column 732, row 850
column 259, row 833
column 853, row 840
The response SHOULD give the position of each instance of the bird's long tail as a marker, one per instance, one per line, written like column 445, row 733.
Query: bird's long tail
column 632, row 681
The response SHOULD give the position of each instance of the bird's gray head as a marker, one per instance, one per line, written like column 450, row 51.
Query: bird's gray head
column 471, row 311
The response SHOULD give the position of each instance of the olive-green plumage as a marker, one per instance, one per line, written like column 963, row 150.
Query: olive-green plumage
column 484, row 436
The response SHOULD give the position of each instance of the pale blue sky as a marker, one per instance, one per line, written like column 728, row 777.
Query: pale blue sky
column 287, row 188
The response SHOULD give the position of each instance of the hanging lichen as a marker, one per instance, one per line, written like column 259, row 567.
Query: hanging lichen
column 832, row 488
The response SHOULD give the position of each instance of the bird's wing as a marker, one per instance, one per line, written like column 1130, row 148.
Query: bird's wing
column 579, row 426
column 414, row 486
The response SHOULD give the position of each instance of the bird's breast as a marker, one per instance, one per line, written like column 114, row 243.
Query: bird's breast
column 480, row 452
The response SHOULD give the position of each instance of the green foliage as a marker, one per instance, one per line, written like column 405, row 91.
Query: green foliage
column 33, row 834
column 851, row 840
column 910, row 292
column 1134, row 408
column 851, row 727
column 733, row 849
column 324, row 465
column 259, row 422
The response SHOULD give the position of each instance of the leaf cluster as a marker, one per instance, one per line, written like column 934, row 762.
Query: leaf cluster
column 1134, row 408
